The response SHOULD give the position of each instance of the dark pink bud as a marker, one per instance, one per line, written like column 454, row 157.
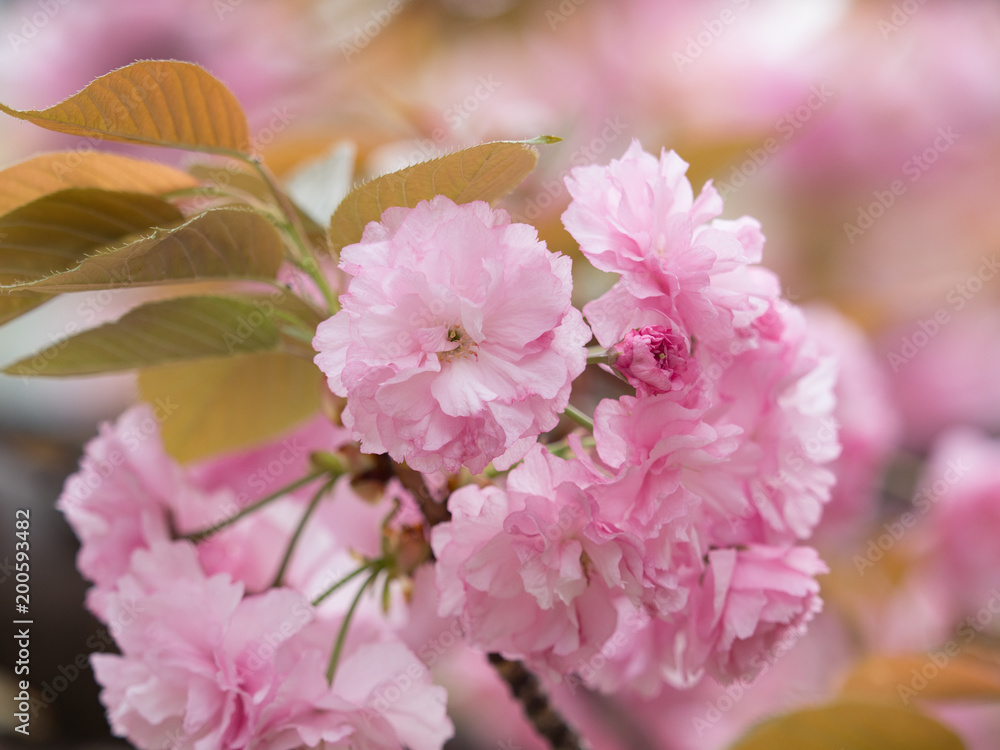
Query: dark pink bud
column 655, row 359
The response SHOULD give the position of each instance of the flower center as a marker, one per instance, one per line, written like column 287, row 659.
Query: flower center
column 460, row 345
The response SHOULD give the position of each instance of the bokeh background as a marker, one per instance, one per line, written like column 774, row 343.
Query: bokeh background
column 864, row 135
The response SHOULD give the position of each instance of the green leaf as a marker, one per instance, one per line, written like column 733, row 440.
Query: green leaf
column 851, row 726
column 49, row 173
column 224, row 243
column 486, row 172
column 153, row 103
column 173, row 330
column 230, row 175
column 943, row 676
column 232, row 403
column 57, row 231
column 234, row 177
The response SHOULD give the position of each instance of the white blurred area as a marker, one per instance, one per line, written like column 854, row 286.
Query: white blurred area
column 63, row 408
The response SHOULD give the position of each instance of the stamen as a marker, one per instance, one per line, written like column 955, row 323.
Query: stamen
column 465, row 345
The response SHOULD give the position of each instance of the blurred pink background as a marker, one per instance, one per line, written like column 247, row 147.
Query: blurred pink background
column 864, row 135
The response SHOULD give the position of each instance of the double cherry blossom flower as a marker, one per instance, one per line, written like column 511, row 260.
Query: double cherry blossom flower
column 456, row 343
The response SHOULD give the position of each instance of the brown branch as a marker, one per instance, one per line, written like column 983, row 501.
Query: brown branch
column 434, row 511
column 529, row 693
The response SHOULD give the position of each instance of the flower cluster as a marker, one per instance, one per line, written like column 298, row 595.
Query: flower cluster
column 672, row 527
column 677, row 533
column 214, row 653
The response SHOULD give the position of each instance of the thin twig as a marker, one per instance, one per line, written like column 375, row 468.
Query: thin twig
column 579, row 417
column 290, row 549
column 198, row 536
column 338, row 647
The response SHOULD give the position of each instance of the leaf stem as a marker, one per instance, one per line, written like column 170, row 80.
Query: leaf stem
column 597, row 355
column 579, row 417
column 350, row 577
column 338, row 647
column 304, row 257
column 299, row 529
column 562, row 449
column 199, row 536
column 311, row 267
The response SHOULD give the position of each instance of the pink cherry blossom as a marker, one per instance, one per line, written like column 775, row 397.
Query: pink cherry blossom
column 656, row 359
column 532, row 570
column 738, row 465
column 198, row 665
column 204, row 666
column 117, row 501
column 781, row 395
column 746, row 605
column 667, row 461
column 129, row 494
column 638, row 217
column 747, row 602
column 456, row 343
column 399, row 705
column 639, row 212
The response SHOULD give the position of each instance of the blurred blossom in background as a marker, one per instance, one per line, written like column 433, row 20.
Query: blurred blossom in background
column 864, row 135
